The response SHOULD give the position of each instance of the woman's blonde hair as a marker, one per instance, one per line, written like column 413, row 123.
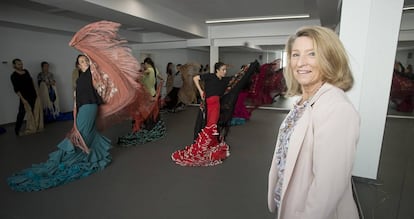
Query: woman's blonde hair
column 331, row 55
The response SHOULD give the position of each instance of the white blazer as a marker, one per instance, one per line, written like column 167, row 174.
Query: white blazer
column 317, row 178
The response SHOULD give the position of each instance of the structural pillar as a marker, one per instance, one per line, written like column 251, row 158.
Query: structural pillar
column 369, row 31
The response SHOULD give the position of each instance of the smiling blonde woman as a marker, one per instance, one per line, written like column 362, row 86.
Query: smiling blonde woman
column 310, row 174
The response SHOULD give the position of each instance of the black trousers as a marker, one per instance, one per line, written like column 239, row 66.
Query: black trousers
column 173, row 98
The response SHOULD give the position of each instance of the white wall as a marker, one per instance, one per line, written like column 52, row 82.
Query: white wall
column 33, row 48
column 237, row 59
column 402, row 56
column 372, row 52
column 201, row 57
column 410, row 59
column 161, row 57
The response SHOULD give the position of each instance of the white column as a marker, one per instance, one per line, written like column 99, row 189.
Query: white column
column 214, row 56
column 369, row 30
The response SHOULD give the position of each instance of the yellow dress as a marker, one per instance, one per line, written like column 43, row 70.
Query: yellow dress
column 149, row 80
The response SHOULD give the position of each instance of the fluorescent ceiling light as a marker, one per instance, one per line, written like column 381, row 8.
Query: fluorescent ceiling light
column 229, row 20
column 408, row 8
column 134, row 28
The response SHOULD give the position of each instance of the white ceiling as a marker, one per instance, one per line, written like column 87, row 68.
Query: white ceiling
column 146, row 20
column 176, row 18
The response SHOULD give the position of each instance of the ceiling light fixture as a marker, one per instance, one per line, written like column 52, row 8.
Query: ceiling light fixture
column 230, row 20
column 408, row 8
column 134, row 28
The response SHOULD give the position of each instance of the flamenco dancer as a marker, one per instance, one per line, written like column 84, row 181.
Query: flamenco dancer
column 106, row 92
column 267, row 85
column 218, row 99
column 153, row 128
column 240, row 113
column 402, row 89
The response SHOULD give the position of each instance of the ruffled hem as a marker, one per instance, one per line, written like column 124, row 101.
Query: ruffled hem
column 65, row 165
column 205, row 151
column 143, row 136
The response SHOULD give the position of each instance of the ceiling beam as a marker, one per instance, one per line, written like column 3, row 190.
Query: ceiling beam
column 329, row 12
column 162, row 16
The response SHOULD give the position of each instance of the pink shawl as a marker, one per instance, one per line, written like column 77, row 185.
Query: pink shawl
column 115, row 74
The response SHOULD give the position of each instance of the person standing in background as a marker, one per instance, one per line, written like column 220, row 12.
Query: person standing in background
column 152, row 128
column 172, row 96
column 48, row 93
column 150, row 82
column 168, row 85
column 187, row 93
column 170, row 77
column 30, row 105
column 150, row 76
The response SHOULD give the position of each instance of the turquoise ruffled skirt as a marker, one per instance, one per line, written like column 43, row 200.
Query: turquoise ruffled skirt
column 68, row 163
column 143, row 136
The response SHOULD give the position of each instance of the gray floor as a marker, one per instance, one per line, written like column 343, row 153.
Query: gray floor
column 142, row 182
column 392, row 194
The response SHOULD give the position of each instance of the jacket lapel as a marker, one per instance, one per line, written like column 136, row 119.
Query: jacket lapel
column 295, row 144
column 298, row 135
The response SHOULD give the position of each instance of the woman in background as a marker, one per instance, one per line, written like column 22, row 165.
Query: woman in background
column 152, row 128
column 170, row 76
column 49, row 95
column 219, row 97
column 30, row 104
column 207, row 150
column 187, row 93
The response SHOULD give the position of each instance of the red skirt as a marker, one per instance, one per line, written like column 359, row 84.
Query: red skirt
column 213, row 110
column 205, row 151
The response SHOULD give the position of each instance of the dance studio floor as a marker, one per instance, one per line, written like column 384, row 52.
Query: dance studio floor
column 143, row 182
